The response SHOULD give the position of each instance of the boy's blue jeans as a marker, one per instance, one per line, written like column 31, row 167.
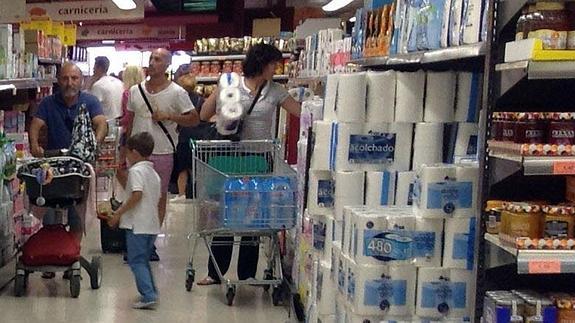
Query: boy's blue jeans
column 140, row 247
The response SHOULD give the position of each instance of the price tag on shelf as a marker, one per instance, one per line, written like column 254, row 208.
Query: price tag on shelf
column 564, row 168
column 544, row 267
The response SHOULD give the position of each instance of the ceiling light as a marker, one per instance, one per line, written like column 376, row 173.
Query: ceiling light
column 352, row 19
column 108, row 42
column 334, row 5
column 125, row 4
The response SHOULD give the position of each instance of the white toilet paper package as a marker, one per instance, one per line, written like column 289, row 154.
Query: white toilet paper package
column 345, row 150
column 381, row 96
column 321, row 156
column 351, row 97
column 301, row 94
column 468, row 97
column 442, row 292
column 386, row 146
column 321, row 191
column 349, row 214
column 229, row 80
column 349, row 190
column 404, row 189
column 310, row 111
column 438, row 193
column 380, row 188
column 459, row 247
column 323, row 234
column 409, row 97
column 382, row 290
column 330, row 97
column 440, row 97
column 325, row 298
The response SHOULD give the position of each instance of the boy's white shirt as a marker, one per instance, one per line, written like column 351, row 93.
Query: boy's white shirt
column 143, row 218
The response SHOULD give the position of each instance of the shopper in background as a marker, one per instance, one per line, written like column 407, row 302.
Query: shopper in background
column 184, row 154
column 258, row 67
column 131, row 75
column 57, row 112
column 139, row 216
column 108, row 89
column 171, row 107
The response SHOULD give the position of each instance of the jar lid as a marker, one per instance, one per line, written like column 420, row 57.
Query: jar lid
column 559, row 209
column 518, row 207
column 494, row 204
column 530, row 116
column 556, row 116
column 550, row 6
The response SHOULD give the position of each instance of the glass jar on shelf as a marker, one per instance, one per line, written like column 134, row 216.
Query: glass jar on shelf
column 553, row 25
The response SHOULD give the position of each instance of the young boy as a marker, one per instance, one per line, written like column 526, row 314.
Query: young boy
column 139, row 215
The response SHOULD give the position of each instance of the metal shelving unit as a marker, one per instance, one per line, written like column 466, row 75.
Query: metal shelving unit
column 520, row 86
column 429, row 57
column 233, row 57
column 25, row 83
column 214, row 79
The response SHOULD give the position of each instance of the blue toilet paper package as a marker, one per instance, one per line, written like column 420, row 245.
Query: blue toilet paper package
column 385, row 292
column 444, row 295
column 430, row 24
column 398, row 245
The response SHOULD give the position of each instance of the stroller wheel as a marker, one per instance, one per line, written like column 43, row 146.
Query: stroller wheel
column 96, row 273
column 75, row 286
column 19, row 285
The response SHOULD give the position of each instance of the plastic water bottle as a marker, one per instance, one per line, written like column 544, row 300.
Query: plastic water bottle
column 235, row 200
column 253, row 186
column 265, row 189
column 281, row 199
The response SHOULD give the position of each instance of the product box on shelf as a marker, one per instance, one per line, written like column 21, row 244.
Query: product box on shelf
column 6, row 52
column 532, row 49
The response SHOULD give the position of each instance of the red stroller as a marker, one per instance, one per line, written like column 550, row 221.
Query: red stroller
column 57, row 183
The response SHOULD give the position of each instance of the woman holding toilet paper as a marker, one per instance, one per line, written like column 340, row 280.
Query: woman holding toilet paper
column 258, row 67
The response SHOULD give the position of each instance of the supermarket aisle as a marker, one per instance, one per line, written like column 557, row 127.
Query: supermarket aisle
column 50, row 300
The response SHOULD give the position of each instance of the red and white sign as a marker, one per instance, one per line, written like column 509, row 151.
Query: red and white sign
column 129, row 31
column 84, row 10
column 141, row 46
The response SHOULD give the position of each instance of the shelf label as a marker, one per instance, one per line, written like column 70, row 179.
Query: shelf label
column 564, row 168
column 544, row 267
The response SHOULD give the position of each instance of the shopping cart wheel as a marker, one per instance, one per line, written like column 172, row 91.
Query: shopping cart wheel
column 190, row 278
column 268, row 275
column 96, row 272
column 230, row 294
column 276, row 296
column 19, row 285
column 75, row 286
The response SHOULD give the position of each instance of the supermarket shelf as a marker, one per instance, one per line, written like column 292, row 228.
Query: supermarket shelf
column 532, row 261
column 214, row 79
column 429, row 57
column 540, row 70
column 226, row 57
column 539, row 165
column 25, row 83
column 509, row 8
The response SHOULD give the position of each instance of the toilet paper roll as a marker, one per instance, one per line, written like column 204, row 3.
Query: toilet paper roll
column 468, row 189
column 440, row 97
column 337, row 231
column 321, row 155
column 330, row 97
column 341, row 310
column 459, row 248
column 342, row 274
column 349, row 214
column 345, row 154
column 228, row 80
column 364, row 242
column 428, row 242
column 335, row 254
column 409, row 97
column 351, row 97
column 403, row 146
column 428, row 144
column 228, row 118
column 321, row 191
column 404, row 188
column 384, row 291
column 380, row 188
column 436, row 191
column 468, row 97
column 381, row 96
column 432, row 301
column 229, row 94
column 463, row 286
column 466, row 140
column 325, row 297
column 322, row 237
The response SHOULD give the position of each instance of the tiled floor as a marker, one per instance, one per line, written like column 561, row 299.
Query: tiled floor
column 50, row 301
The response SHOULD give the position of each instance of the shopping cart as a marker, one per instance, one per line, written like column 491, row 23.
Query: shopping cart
column 68, row 187
column 243, row 189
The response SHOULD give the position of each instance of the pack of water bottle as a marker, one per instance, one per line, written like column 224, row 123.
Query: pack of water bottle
column 259, row 202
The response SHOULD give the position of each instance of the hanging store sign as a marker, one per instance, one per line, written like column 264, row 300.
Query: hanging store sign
column 129, row 31
column 141, row 46
column 83, row 10
column 12, row 11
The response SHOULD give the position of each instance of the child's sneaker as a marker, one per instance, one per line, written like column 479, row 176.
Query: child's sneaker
column 141, row 305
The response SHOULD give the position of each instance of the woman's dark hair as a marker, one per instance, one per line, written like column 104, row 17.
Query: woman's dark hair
column 258, row 57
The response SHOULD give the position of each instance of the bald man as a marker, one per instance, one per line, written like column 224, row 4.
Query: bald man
column 171, row 106
column 58, row 111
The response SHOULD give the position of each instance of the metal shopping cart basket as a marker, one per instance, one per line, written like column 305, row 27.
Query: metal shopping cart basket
column 243, row 189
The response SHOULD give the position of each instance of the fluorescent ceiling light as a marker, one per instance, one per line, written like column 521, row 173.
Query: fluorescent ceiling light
column 352, row 19
column 334, row 5
column 125, row 4
column 108, row 42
